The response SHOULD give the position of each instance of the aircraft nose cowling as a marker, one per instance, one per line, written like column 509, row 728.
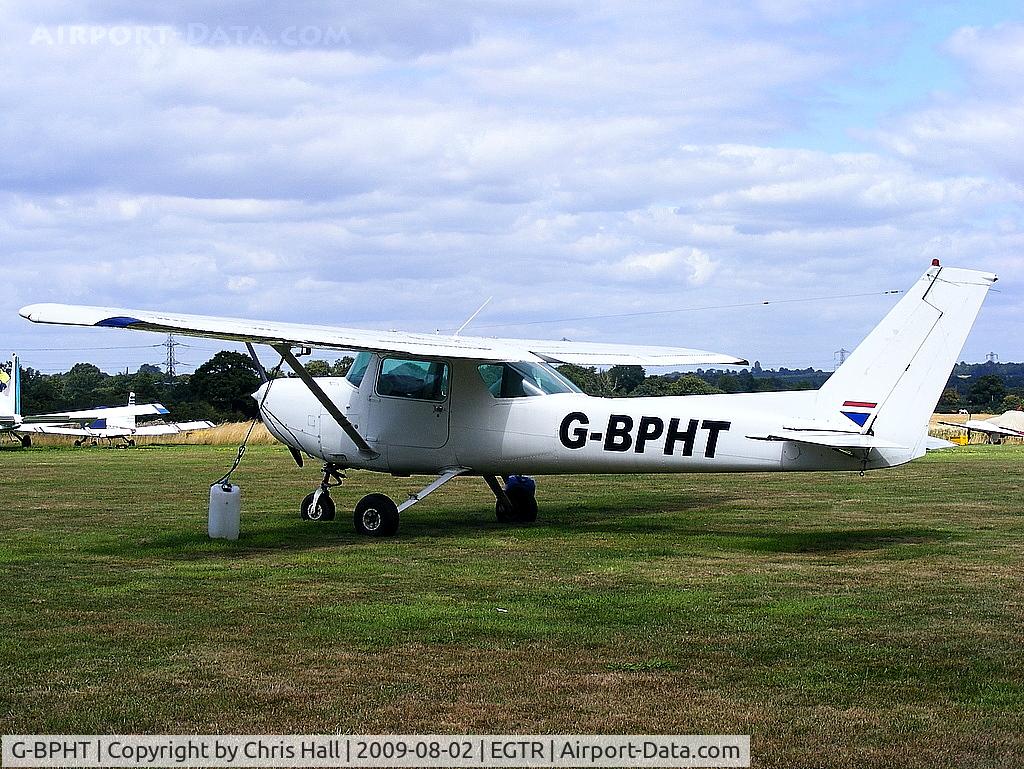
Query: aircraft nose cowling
column 291, row 414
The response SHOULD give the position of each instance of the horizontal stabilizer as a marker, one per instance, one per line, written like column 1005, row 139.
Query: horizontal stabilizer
column 833, row 440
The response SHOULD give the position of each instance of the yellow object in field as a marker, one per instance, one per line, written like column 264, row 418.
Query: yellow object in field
column 959, row 440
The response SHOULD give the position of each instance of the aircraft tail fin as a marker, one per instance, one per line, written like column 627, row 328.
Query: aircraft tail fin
column 10, row 388
column 127, row 421
column 889, row 385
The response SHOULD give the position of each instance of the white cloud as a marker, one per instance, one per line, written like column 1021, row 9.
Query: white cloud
column 980, row 127
column 241, row 284
column 570, row 160
column 692, row 264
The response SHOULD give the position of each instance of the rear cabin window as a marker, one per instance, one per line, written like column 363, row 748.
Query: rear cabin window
column 357, row 370
column 425, row 380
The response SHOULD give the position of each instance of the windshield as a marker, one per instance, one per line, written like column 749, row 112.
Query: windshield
column 358, row 369
column 524, row 380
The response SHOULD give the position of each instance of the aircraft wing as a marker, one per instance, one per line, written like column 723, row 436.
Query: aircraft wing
column 985, row 426
column 52, row 428
column 173, row 428
column 90, row 415
column 330, row 337
column 60, row 429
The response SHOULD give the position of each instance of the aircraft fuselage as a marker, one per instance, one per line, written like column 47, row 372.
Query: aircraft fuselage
column 549, row 434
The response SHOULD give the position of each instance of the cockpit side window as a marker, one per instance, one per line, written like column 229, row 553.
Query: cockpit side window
column 523, row 380
column 417, row 379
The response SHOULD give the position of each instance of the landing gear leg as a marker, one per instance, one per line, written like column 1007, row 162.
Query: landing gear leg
column 319, row 506
column 516, row 502
column 377, row 515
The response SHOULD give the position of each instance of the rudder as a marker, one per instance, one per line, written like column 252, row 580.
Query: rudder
column 889, row 385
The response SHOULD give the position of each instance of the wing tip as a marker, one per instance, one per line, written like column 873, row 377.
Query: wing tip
column 75, row 315
column 30, row 311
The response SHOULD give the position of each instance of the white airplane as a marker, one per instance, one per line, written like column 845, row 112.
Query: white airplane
column 101, row 423
column 1009, row 424
column 451, row 405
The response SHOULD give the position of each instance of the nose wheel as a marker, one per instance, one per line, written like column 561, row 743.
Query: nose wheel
column 319, row 506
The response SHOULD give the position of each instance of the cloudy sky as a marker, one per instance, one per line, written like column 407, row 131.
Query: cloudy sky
column 392, row 165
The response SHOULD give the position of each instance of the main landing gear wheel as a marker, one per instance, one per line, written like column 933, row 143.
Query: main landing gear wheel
column 323, row 511
column 26, row 441
column 518, row 504
column 376, row 515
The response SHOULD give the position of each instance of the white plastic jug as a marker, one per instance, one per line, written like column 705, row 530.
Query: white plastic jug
column 225, row 511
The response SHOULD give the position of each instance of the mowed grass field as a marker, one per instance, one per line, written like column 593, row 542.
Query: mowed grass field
column 842, row 621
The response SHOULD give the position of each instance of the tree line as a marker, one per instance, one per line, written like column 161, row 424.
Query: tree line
column 974, row 387
column 220, row 390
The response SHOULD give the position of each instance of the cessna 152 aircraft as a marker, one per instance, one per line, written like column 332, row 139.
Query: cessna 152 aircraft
column 451, row 405
column 102, row 423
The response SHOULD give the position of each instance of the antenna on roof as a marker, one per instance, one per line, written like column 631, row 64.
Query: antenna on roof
column 471, row 317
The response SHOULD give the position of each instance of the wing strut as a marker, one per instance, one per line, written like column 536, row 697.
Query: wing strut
column 325, row 401
column 440, row 481
column 256, row 360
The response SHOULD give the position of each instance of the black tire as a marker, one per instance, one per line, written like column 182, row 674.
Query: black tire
column 26, row 441
column 524, row 502
column 324, row 511
column 524, row 506
column 376, row 515
column 504, row 513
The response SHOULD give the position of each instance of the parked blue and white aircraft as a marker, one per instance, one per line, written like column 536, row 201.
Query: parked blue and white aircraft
column 91, row 425
column 453, row 405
